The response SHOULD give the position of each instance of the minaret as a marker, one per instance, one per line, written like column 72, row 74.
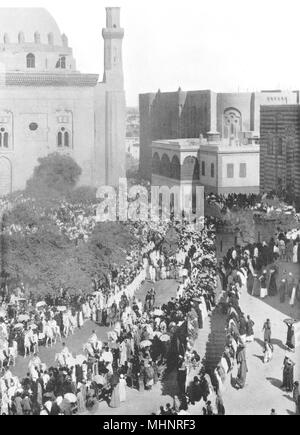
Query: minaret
column 115, row 114
column 113, row 36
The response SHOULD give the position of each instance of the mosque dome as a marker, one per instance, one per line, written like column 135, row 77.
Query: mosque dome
column 27, row 25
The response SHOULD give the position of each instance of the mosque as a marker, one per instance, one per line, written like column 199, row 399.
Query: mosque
column 47, row 105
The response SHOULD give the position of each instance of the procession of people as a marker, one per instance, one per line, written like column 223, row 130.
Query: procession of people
column 143, row 341
column 147, row 341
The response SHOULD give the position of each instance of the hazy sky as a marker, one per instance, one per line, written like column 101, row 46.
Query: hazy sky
column 224, row 45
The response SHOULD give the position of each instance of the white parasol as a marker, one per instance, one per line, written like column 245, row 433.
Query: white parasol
column 99, row 380
column 165, row 337
column 145, row 343
column 18, row 326
column 61, row 309
column 157, row 312
column 23, row 318
column 70, row 397
column 40, row 304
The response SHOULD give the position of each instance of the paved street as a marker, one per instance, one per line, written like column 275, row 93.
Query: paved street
column 262, row 392
column 263, row 383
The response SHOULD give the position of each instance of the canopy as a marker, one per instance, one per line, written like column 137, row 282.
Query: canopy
column 158, row 312
column 70, row 397
column 23, row 318
column 61, row 309
column 99, row 380
column 145, row 343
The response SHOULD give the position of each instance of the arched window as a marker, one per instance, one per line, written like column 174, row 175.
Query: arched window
column 190, row 168
column 203, row 172
column 232, row 123
column 66, row 139
column 212, row 170
column 61, row 63
column 63, row 138
column 4, row 138
column 156, row 164
column 175, row 168
column 30, row 59
column 59, row 139
column 165, row 166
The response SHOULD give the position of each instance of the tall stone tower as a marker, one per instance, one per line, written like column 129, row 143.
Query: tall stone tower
column 115, row 97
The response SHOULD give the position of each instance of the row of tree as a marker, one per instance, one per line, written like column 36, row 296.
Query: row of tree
column 43, row 257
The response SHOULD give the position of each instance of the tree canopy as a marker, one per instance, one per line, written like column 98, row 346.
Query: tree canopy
column 55, row 175
column 40, row 255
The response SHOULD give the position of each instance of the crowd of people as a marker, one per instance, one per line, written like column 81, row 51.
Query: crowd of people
column 144, row 339
column 264, row 203
column 254, row 269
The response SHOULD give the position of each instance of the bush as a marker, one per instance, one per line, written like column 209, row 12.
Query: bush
column 82, row 195
column 55, row 175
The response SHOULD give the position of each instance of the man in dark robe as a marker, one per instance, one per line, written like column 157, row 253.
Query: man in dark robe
column 195, row 392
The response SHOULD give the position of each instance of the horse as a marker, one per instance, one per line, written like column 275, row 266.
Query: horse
column 73, row 323
column 27, row 343
column 66, row 324
column 65, row 360
column 55, row 329
column 49, row 335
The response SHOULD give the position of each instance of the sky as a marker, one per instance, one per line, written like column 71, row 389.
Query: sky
column 223, row 45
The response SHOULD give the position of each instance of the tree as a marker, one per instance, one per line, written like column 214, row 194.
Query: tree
column 82, row 195
column 55, row 175
column 42, row 257
column 110, row 243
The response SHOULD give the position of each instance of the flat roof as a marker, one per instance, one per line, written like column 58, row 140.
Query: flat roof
column 194, row 144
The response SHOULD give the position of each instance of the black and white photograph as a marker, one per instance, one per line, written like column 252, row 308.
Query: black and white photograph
column 149, row 210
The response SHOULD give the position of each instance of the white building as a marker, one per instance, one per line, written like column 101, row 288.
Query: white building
column 47, row 105
column 219, row 167
column 226, row 169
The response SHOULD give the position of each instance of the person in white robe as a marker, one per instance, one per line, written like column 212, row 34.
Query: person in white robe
column 122, row 389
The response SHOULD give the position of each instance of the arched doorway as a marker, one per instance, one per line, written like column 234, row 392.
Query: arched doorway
column 175, row 168
column 156, row 164
column 165, row 166
column 5, row 176
column 190, row 168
